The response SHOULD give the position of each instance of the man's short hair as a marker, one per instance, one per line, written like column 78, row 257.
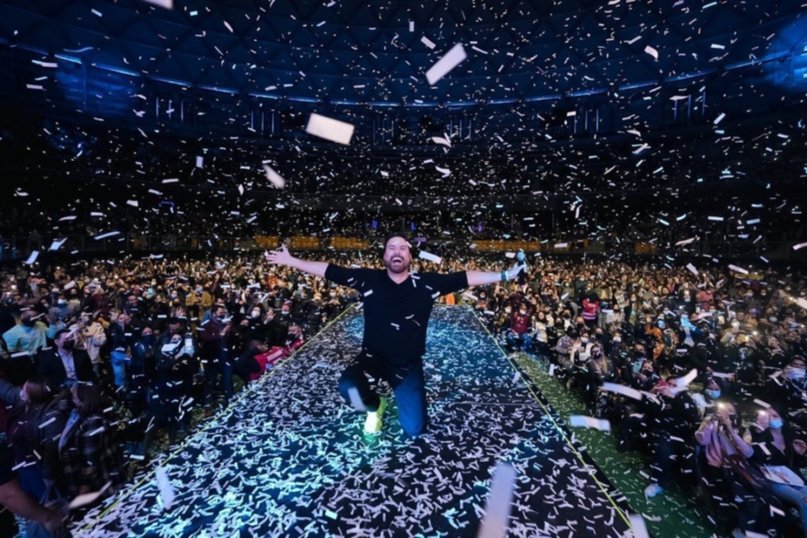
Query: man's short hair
column 396, row 234
column 58, row 334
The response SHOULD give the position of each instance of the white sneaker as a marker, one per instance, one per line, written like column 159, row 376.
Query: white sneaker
column 375, row 419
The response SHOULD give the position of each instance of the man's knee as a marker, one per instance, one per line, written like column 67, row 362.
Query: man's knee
column 413, row 428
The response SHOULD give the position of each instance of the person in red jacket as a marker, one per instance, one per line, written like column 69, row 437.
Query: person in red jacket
column 591, row 310
column 519, row 336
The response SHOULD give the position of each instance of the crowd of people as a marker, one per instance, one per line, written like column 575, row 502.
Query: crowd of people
column 98, row 362
column 703, row 369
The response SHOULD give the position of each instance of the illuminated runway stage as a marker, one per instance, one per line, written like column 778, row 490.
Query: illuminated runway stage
column 288, row 458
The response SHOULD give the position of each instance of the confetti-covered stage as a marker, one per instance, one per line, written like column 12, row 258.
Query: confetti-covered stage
column 288, row 458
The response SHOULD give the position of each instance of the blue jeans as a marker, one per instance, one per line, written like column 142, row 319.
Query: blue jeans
column 796, row 495
column 521, row 343
column 409, row 389
column 119, row 360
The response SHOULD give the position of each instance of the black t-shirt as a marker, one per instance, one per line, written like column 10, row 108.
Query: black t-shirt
column 396, row 316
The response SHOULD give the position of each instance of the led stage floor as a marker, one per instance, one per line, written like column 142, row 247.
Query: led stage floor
column 288, row 458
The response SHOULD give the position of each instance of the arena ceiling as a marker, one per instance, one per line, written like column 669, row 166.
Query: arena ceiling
column 354, row 52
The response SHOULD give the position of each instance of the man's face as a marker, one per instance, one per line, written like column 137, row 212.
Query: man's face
column 397, row 256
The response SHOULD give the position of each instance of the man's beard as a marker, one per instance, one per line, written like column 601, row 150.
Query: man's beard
column 396, row 268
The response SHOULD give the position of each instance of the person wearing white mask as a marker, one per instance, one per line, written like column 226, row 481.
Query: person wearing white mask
column 776, row 445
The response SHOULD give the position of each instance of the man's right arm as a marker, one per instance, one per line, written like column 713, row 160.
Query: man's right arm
column 283, row 257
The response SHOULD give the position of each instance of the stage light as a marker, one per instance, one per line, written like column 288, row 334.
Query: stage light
column 790, row 72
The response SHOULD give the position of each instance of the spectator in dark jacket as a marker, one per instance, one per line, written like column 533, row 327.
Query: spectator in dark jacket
column 214, row 353
column 64, row 366
column 88, row 448
column 169, row 393
column 775, row 443
column 33, row 425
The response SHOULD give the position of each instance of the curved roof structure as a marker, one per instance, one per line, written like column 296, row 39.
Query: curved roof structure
column 353, row 52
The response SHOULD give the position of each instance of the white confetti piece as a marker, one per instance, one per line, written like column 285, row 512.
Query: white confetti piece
column 799, row 246
column 445, row 171
column 622, row 389
column 719, row 118
column 737, row 269
column 330, row 129
column 56, row 244
column 423, row 255
column 200, row 161
column 428, row 42
column 86, row 498
column 651, row 51
column 582, row 421
column 452, row 59
column 167, row 4
column 638, row 526
column 167, row 493
column 691, row 268
column 687, row 379
column 273, row 177
column 106, row 235
column 445, row 141
column 32, row 258
column 500, row 498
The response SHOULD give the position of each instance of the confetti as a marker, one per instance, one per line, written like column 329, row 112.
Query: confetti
column 32, row 258
column 423, row 255
column 167, row 493
column 329, row 129
column 167, row 4
column 452, row 59
column 580, row 421
column 497, row 508
column 273, row 177
column 426, row 41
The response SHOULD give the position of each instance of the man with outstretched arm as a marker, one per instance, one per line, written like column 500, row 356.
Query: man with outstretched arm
column 397, row 307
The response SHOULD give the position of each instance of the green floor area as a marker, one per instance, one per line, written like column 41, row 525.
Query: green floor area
column 673, row 514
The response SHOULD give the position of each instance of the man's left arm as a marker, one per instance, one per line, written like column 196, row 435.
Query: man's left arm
column 481, row 278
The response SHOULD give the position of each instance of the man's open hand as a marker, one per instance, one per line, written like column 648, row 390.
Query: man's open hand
column 280, row 256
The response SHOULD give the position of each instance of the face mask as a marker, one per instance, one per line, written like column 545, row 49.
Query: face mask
column 522, row 312
column 507, row 310
column 713, row 394
column 284, row 312
column 68, row 345
column 332, row 294
column 777, row 423
column 796, row 373
column 617, row 340
column 256, row 313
